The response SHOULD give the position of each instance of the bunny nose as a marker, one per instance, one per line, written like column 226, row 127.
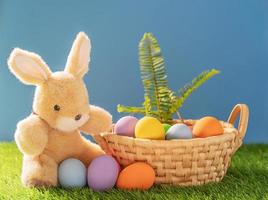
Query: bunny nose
column 77, row 117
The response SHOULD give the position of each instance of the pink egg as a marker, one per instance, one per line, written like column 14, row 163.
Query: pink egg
column 102, row 173
column 126, row 126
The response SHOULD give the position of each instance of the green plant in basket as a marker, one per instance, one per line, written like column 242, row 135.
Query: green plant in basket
column 159, row 100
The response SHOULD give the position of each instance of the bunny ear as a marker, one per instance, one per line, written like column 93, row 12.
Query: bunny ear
column 28, row 67
column 79, row 56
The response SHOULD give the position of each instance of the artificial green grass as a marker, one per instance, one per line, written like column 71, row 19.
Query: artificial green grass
column 247, row 178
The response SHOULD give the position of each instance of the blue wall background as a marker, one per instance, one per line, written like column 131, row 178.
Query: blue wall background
column 231, row 36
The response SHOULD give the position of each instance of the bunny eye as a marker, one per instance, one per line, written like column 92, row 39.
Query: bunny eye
column 57, row 107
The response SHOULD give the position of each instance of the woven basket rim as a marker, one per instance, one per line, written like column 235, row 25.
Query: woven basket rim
column 227, row 135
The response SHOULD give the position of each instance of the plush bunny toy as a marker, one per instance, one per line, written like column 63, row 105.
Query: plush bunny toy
column 61, row 110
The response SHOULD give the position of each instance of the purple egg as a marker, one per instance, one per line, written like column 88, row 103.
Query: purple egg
column 102, row 173
column 126, row 126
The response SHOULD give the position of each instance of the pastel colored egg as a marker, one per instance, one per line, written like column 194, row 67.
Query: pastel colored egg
column 136, row 176
column 102, row 173
column 207, row 126
column 149, row 128
column 126, row 126
column 166, row 127
column 179, row 131
column 72, row 173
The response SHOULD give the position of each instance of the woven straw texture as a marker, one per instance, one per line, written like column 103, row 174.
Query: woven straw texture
column 182, row 162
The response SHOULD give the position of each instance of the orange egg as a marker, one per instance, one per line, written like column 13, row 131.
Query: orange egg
column 136, row 176
column 207, row 126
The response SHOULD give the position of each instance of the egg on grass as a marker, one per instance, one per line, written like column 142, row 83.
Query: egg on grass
column 126, row 126
column 138, row 175
column 102, row 173
column 72, row 173
column 179, row 131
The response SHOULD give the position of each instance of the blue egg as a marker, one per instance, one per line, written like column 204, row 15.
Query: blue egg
column 179, row 131
column 72, row 173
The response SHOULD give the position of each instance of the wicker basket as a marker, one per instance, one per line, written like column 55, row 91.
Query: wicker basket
column 182, row 162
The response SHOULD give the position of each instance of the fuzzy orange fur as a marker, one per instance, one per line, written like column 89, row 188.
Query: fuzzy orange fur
column 50, row 136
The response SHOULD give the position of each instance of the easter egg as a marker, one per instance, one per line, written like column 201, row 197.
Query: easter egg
column 149, row 128
column 166, row 127
column 102, row 173
column 136, row 176
column 126, row 126
column 179, row 131
column 72, row 173
column 207, row 126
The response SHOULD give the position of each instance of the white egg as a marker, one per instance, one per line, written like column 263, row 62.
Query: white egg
column 179, row 131
column 72, row 173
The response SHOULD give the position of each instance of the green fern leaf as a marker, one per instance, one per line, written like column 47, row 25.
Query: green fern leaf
column 190, row 87
column 153, row 76
column 159, row 100
column 129, row 109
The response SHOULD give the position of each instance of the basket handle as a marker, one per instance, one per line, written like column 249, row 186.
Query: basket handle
column 243, row 110
column 102, row 142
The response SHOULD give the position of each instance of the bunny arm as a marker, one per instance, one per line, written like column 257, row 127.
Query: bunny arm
column 31, row 135
column 99, row 121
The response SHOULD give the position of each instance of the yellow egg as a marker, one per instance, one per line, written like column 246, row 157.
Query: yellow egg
column 149, row 128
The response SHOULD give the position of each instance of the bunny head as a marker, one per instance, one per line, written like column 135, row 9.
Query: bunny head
column 61, row 98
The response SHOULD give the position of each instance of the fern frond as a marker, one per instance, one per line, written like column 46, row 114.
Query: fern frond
column 147, row 105
column 130, row 109
column 153, row 75
column 159, row 100
column 190, row 87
